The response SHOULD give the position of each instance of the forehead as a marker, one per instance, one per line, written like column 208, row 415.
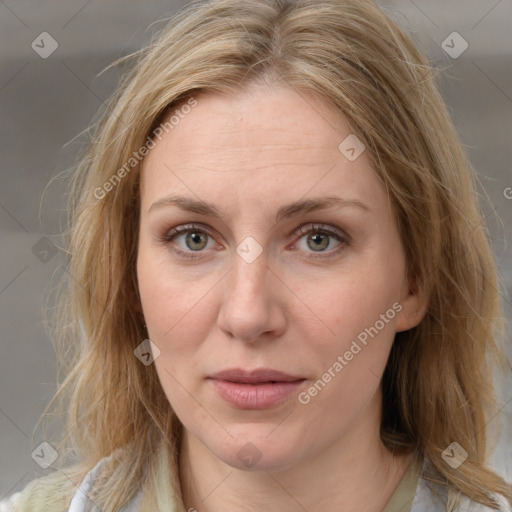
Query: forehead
column 269, row 118
column 259, row 145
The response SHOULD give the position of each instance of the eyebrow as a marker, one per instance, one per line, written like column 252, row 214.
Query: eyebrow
column 290, row 210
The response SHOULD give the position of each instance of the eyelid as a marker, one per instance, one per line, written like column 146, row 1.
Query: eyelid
column 322, row 228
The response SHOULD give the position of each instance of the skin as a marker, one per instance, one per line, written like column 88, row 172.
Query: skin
column 250, row 154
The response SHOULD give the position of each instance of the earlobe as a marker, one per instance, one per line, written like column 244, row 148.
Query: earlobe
column 414, row 308
column 408, row 319
column 137, row 307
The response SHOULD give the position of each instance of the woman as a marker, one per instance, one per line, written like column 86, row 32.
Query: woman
column 281, row 284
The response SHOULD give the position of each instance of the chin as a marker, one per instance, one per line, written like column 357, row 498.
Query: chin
column 254, row 449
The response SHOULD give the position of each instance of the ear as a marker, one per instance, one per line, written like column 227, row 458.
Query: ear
column 137, row 307
column 414, row 306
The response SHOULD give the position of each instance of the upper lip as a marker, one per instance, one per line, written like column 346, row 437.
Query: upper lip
column 254, row 376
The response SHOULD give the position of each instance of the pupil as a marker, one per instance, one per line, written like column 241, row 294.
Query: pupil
column 195, row 238
column 318, row 241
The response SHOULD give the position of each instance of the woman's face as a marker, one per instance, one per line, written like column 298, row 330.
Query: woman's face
column 263, row 277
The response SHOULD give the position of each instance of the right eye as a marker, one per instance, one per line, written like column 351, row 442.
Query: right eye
column 193, row 240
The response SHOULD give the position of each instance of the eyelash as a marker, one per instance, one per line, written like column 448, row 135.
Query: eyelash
column 311, row 228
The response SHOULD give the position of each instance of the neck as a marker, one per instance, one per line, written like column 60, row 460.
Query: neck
column 330, row 480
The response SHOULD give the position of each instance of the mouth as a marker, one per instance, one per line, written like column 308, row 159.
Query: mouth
column 258, row 376
column 256, row 389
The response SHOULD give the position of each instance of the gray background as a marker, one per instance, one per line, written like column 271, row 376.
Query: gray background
column 46, row 103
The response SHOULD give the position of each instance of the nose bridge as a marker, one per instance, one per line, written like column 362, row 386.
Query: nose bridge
column 248, row 310
column 248, row 277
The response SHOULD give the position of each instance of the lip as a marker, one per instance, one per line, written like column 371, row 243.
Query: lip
column 257, row 376
column 257, row 389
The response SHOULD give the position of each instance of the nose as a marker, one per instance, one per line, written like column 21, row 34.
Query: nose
column 253, row 305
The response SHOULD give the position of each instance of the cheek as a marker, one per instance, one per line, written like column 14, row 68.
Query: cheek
column 349, row 368
column 171, row 309
column 360, row 308
column 178, row 311
column 353, row 302
column 172, row 298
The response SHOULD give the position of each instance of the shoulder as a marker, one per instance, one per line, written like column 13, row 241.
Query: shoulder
column 433, row 498
column 426, row 500
column 49, row 493
column 468, row 505
column 62, row 491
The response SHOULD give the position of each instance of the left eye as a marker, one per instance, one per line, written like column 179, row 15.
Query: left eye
column 317, row 238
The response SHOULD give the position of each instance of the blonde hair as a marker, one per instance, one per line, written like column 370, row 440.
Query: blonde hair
column 437, row 386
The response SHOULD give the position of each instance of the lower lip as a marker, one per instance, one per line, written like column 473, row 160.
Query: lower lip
column 256, row 396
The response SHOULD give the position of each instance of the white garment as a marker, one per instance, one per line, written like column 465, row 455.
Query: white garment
column 10, row 504
column 424, row 499
column 81, row 501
